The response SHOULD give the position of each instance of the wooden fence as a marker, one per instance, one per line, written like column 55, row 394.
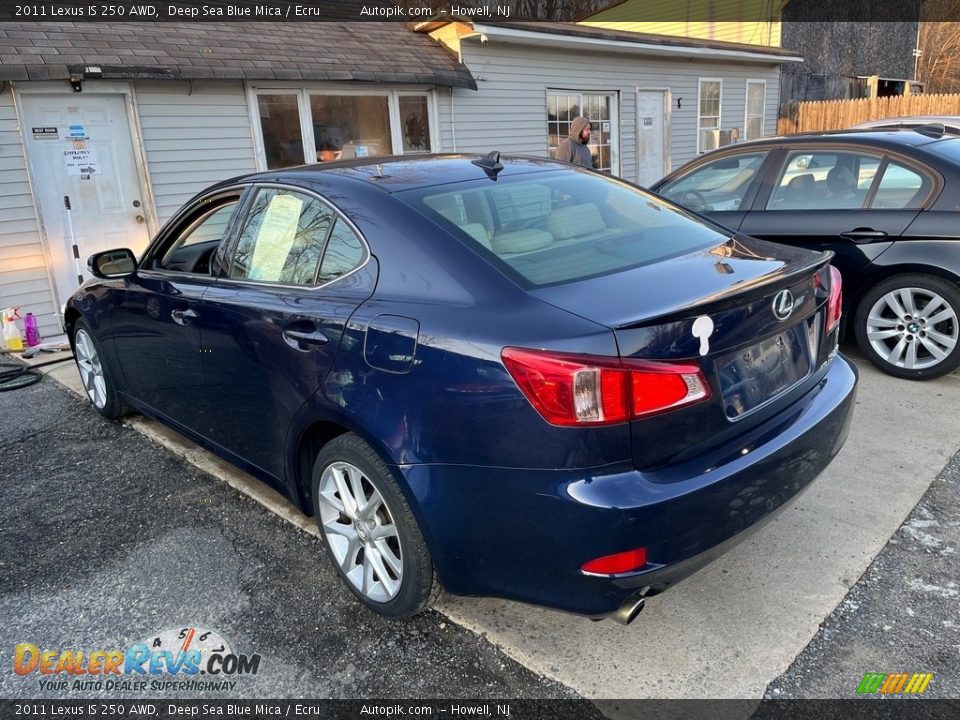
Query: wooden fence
column 840, row 114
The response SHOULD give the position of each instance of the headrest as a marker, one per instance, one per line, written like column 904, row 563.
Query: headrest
column 575, row 221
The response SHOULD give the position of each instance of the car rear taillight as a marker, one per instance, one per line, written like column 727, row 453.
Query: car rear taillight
column 571, row 389
column 618, row 563
column 835, row 301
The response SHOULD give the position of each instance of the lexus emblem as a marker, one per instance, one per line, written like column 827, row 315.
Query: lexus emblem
column 783, row 304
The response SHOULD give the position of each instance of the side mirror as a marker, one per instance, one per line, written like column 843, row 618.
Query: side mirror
column 112, row 264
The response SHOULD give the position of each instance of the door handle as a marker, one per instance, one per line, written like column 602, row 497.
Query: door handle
column 304, row 339
column 183, row 317
column 863, row 235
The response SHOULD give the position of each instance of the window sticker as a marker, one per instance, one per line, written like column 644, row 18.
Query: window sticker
column 275, row 239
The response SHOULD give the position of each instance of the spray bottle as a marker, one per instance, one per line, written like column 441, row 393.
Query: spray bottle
column 12, row 342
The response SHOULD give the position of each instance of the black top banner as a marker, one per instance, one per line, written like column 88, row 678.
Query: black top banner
column 418, row 11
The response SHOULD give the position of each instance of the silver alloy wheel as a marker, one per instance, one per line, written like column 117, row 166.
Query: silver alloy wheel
column 912, row 328
column 360, row 531
column 91, row 371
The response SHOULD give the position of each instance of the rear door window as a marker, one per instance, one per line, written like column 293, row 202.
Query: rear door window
column 901, row 188
column 283, row 238
column 824, row 180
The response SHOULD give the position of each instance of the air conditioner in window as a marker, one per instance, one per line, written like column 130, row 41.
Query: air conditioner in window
column 728, row 137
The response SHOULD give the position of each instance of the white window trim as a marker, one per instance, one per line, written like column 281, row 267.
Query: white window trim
column 615, row 120
column 303, row 93
column 700, row 82
column 763, row 109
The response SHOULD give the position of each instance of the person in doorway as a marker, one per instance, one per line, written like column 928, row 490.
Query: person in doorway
column 574, row 149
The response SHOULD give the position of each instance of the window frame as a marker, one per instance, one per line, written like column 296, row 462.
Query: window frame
column 746, row 109
column 337, row 216
column 719, row 116
column 615, row 120
column 303, row 93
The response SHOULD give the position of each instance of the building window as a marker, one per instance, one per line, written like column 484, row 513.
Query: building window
column 415, row 123
column 756, row 95
column 349, row 126
column 280, row 126
column 708, row 120
column 600, row 110
column 306, row 126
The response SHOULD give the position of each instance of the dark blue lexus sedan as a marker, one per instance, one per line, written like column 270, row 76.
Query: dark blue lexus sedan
column 507, row 377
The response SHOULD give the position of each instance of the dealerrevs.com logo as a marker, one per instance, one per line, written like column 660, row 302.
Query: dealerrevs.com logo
column 180, row 659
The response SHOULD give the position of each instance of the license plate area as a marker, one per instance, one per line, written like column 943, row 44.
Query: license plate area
column 755, row 375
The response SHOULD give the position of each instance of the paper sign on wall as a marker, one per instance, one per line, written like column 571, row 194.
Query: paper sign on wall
column 276, row 236
column 81, row 162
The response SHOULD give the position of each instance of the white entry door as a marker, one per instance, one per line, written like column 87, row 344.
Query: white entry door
column 79, row 146
column 653, row 156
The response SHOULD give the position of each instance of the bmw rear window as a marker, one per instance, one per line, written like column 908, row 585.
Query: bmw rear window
column 557, row 227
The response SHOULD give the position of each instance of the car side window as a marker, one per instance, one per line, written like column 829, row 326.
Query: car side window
column 282, row 238
column 192, row 248
column 830, row 180
column 716, row 186
column 901, row 188
column 344, row 252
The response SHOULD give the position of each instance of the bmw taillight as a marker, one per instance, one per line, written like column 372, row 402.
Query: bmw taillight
column 569, row 389
column 835, row 300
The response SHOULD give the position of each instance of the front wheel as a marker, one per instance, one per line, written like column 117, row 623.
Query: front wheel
column 909, row 326
column 93, row 373
column 369, row 531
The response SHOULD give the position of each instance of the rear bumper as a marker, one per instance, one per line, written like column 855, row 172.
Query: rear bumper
column 523, row 534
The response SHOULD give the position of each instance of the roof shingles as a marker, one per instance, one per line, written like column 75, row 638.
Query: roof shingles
column 386, row 52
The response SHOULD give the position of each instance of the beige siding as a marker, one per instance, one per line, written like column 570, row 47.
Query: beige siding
column 509, row 113
column 23, row 274
column 193, row 135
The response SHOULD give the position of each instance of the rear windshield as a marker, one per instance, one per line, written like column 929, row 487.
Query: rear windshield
column 948, row 147
column 549, row 228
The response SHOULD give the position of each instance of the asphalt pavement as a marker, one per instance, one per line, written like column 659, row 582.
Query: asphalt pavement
column 902, row 616
column 107, row 538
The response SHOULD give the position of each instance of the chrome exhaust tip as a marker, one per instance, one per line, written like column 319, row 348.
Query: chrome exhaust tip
column 631, row 607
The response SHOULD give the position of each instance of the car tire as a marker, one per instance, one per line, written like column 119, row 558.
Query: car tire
column 96, row 380
column 909, row 326
column 369, row 531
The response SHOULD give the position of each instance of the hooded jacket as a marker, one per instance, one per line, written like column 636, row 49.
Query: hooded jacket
column 572, row 150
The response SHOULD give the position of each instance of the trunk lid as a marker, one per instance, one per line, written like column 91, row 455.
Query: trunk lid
column 717, row 308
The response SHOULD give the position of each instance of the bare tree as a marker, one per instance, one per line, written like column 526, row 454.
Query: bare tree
column 939, row 64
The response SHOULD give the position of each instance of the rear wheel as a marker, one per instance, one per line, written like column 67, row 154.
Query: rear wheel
column 369, row 531
column 93, row 373
column 909, row 326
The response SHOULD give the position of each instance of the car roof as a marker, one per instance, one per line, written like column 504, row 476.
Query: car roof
column 409, row 172
column 883, row 137
column 908, row 121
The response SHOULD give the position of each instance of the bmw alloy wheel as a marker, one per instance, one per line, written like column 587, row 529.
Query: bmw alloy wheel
column 912, row 328
column 91, row 370
column 361, row 532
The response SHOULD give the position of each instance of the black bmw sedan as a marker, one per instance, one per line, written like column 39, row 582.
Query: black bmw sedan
column 886, row 202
